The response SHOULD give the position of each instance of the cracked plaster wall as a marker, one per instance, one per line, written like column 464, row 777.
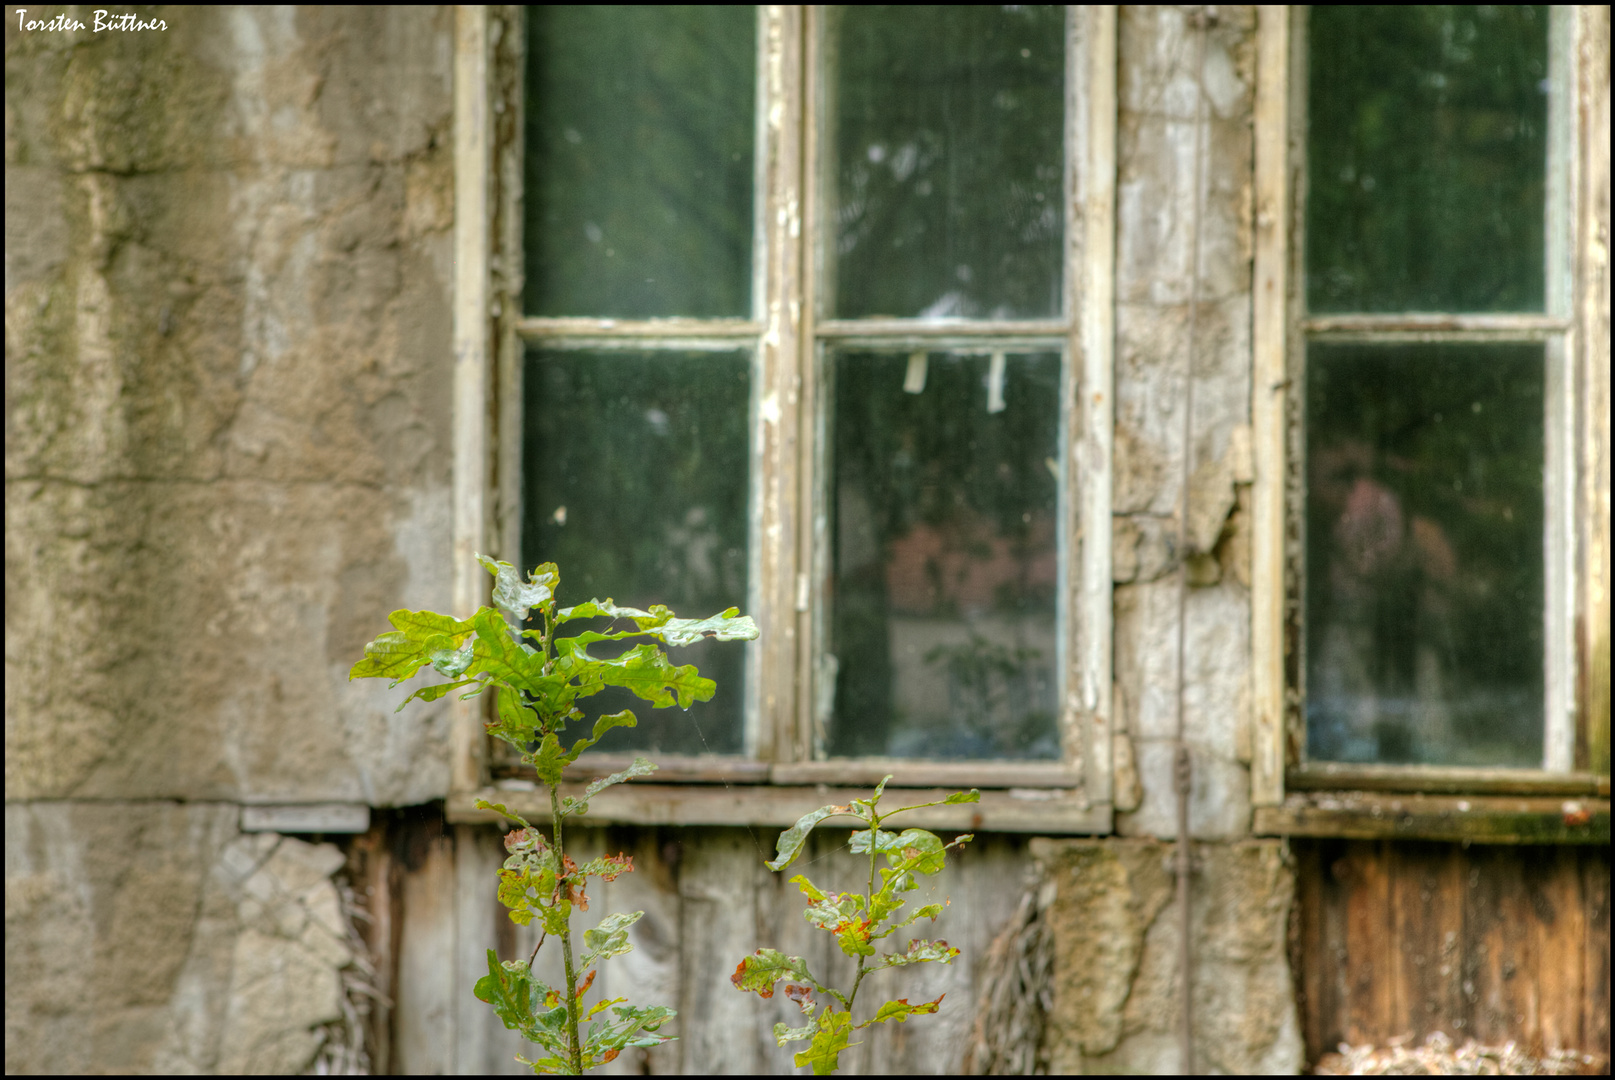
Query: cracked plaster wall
column 228, row 284
column 228, row 287
column 153, row 936
column 1116, row 938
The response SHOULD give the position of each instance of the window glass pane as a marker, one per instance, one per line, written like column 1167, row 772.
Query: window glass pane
column 945, row 502
column 949, row 152
column 635, row 468
column 639, row 160
column 1424, row 554
column 1426, row 153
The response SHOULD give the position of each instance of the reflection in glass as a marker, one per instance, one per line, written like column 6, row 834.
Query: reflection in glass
column 639, row 160
column 635, row 469
column 1426, row 153
column 945, row 503
column 949, row 149
column 1424, row 554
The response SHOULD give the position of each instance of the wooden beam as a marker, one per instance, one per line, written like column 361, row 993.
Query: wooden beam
column 1022, row 810
column 1366, row 815
column 472, row 360
column 1437, row 780
column 1269, row 385
column 1090, row 448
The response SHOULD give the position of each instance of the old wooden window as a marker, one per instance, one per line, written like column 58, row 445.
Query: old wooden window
column 812, row 316
column 1416, row 586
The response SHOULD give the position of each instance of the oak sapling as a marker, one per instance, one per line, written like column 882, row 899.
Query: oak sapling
column 537, row 687
column 857, row 921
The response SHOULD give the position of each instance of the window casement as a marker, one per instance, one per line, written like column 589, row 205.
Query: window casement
column 807, row 310
column 1430, row 515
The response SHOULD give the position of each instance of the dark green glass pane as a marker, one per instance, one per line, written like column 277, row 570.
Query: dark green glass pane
column 635, row 474
column 639, row 160
column 1426, row 153
column 949, row 160
column 945, row 504
column 1424, row 554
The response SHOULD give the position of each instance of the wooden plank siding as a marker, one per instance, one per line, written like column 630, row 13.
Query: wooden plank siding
column 1399, row 939
column 429, row 886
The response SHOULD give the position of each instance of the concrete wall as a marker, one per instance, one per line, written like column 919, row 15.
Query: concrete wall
column 228, row 286
column 227, row 289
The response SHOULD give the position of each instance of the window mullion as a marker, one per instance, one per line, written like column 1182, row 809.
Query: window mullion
column 1269, row 382
column 1089, row 402
column 772, row 678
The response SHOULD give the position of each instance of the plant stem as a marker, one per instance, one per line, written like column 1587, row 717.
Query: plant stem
column 573, row 1047
column 874, row 843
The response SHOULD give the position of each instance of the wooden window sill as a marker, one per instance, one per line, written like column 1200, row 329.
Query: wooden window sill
column 1047, row 811
column 703, row 769
column 1440, row 780
column 1479, row 819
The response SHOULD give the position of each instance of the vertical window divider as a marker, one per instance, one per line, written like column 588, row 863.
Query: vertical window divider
column 472, row 360
column 812, row 535
column 777, row 415
column 1590, row 232
column 1090, row 305
column 1559, row 602
column 1270, row 331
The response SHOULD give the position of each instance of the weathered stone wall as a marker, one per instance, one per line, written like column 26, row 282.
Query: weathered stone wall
column 227, row 284
column 1116, row 984
column 1158, row 215
column 155, row 937
column 1117, row 972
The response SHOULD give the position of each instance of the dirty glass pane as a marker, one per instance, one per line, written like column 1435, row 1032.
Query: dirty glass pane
column 1424, row 554
column 942, row 605
column 639, row 160
column 949, row 155
column 635, row 474
column 1426, row 153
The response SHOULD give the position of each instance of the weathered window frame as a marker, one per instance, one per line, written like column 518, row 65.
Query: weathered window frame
column 1297, row 797
column 778, row 776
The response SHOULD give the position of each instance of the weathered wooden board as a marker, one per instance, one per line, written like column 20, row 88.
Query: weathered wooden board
column 1398, row 939
column 708, row 901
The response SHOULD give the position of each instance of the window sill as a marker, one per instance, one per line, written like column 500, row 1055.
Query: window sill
column 1045, row 811
column 867, row 772
column 1439, row 780
column 1479, row 819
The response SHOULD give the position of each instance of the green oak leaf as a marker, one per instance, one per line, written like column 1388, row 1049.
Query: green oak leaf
column 503, row 811
column 825, row 1051
column 842, row 915
column 625, row 718
column 603, row 609
column 610, row 938
column 433, row 692
column 727, row 626
column 515, row 595
column 645, row 671
column 784, row 1033
column 517, row 720
column 634, row 1026
column 920, row 952
column 759, row 973
column 792, row 839
column 900, row 1010
column 391, row 656
column 638, row 767
column 548, row 759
